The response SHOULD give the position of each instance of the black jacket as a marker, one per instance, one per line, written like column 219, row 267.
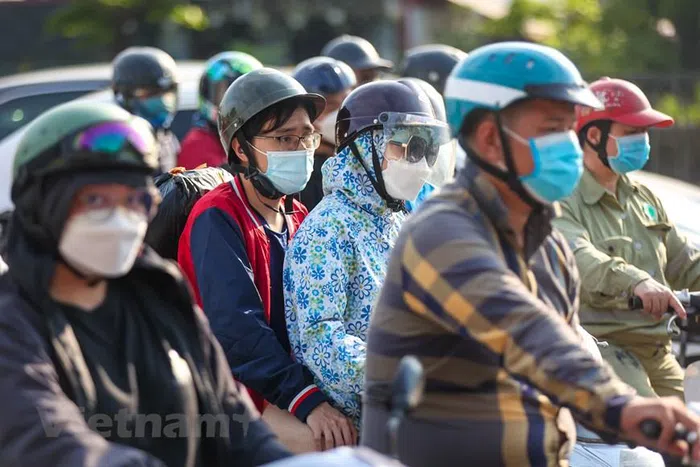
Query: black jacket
column 41, row 423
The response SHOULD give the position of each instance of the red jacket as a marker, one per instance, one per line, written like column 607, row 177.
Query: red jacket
column 220, row 220
column 200, row 146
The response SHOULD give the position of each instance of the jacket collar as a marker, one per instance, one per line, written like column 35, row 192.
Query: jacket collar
column 538, row 226
column 592, row 191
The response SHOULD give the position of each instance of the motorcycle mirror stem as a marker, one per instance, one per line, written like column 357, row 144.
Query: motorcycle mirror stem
column 406, row 394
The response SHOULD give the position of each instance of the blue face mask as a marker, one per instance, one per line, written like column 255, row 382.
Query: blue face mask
column 632, row 153
column 289, row 171
column 558, row 161
column 159, row 111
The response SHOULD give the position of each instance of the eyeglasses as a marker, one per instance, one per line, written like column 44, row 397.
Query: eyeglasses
column 291, row 142
column 97, row 206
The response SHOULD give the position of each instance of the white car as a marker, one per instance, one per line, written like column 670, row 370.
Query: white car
column 50, row 93
column 188, row 95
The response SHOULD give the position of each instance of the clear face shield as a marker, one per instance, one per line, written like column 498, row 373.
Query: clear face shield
column 444, row 168
column 422, row 140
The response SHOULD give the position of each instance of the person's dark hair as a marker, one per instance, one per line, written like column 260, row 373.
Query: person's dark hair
column 278, row 114
column 472, row 122
column 477, row 115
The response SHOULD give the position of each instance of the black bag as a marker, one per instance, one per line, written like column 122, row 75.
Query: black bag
column 179, row 192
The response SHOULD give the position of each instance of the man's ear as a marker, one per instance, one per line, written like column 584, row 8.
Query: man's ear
column 487, row 141
column 594, row 135
column 238, row 150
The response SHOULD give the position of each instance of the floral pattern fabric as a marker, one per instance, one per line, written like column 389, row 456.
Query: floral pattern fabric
column 333, row 273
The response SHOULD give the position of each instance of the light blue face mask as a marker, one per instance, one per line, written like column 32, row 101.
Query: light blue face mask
column 289, row 171
column 558, row 165
column 632, row 153
column 159, row 110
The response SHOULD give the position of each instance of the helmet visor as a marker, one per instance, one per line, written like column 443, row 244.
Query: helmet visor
column 419, row 136
column 574, row 94
column 444, row 168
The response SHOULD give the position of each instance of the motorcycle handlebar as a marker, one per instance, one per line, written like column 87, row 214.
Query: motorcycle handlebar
column 652, row 429
column 686, row 298
column 635, row 303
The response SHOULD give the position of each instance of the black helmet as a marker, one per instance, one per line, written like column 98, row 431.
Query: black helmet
column 145, row 83
column 255, row 91
column 431, row 63
column 324, row 75
column 362, row 108
column 357, row 52
column 143, row 68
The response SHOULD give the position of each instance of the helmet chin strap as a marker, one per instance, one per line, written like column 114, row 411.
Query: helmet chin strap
column 263, row 186
column 508, row 176
column 394, row 204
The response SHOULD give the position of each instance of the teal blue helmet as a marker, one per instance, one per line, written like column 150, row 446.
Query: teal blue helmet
column 498, row 75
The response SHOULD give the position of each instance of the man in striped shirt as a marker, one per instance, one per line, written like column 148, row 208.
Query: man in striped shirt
column 485, row 294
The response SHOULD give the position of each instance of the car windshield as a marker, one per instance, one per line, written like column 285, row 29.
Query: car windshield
column 18, row 112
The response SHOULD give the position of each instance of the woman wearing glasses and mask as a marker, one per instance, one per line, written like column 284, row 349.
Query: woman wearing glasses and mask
column 105, row 359
column 389, row 139
column 234, row 244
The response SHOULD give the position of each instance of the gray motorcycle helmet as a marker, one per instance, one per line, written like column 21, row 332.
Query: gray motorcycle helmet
column 255, row 91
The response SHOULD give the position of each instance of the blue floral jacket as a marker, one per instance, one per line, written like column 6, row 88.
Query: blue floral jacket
column 333, row 272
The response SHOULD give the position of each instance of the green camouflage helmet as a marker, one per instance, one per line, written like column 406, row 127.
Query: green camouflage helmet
column 55, row 142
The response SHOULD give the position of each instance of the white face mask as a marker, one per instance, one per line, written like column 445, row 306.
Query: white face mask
column 105, row 248
column 326, row 126
column 404, row 180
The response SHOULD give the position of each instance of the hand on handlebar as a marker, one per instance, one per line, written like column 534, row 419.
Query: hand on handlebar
column 668, row 412
column 657, row 299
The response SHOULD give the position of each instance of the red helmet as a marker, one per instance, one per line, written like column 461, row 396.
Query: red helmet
column 624, row 103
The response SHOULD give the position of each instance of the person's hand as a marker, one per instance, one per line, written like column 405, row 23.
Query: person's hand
column 668, row 411
column 657, row 299
column 331, row 428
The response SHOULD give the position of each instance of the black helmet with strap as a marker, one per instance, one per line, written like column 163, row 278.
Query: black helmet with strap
column 142, row 68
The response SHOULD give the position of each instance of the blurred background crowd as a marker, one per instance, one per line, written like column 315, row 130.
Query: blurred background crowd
column 654, row 43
